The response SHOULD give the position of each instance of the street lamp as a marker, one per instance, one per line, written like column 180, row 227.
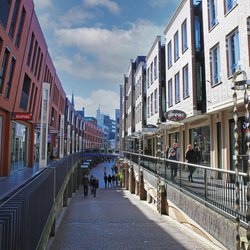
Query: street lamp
column 244, row 85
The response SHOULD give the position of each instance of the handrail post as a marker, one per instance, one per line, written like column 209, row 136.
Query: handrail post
column 205, row 185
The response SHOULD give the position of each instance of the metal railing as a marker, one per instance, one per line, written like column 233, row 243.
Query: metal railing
column 24, row 215
column 212, row 186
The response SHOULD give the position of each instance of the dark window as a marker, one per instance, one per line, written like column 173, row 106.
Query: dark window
column 4, row 68
column 9, row 82
column 25, row 93
column 33, row 108
column 31, row 97
column 37, row 60
column 14, row 18
column 34, row 57
column 40, row 65
column 30, row 48
column 20, row 28
column 4, row 11
column 1, row 45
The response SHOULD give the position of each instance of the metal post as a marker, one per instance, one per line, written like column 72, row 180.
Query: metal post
column 241, row 85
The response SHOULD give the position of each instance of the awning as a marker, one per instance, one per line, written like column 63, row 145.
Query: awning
column 170, row 124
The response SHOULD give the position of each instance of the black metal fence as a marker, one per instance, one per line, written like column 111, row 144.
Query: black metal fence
column 24, row 215
column 216, row 187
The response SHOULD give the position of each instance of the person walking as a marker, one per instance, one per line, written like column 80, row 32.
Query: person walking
column 174, row 155
column 191, row 158
column 105, row 179
column 85, row 186
column 95, row 185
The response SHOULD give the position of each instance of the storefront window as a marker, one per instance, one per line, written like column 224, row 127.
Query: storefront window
column 200, row 137
column 19, row 146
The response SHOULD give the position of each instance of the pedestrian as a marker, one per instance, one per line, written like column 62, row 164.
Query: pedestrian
column 85, row 186
column 174, row 155
column 109, row 181
column 95, row 185
column 113, row 180
column 105, row 179
column 91, row 181
column 198, row 156
column 191, row 158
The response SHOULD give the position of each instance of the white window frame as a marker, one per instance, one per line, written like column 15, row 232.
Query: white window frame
column 185, row 81
column 215, row 64
column 170, row 93
column 177, row 87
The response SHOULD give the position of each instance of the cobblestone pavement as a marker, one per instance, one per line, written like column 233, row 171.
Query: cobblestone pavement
column 116, row 219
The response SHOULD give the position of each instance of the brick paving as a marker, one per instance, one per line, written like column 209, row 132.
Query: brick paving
column 116, row 219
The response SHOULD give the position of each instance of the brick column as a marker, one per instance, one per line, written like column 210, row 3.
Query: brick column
column 131, row 180
column 142, row 191
column 126, row 178
column 162, row 199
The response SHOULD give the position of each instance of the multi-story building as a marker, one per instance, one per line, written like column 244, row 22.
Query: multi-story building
column 140, row 96
column 185, row 82
column 117, row 129
column 25, row 65
column 226, row 28
column 155, row 81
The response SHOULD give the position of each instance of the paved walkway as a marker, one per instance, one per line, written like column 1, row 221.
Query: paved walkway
column 116, row 219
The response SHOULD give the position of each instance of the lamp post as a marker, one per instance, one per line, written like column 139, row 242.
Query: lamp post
column 244, row 85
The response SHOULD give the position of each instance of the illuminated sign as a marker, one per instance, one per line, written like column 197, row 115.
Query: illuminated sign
column 175, row 115
column 22, row 116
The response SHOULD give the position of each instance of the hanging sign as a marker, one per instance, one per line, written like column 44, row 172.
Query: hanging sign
column 175, row 115
column 22, row 116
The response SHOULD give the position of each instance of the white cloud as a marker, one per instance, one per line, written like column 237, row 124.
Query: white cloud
column 105, row 98
column 112, row 6
column 110, row 50
column 75, row 16
column 42, row 4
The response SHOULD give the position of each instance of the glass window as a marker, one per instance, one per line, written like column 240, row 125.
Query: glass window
column 170, row 93
column 215, row 64
column 19, row 146
column 148, row 105
column 197, row 30
column 176, row 46
column 177, row 87
column 9, row 82
column 155, row 67
column 20, row 28
column 156, row 100
column 185, row 81
column 212, row 12
column 200, row 137
column 4, row 11
column 151, row 72
column 229, row 4
column 233, row 52
column 184, row 35
column 34, row 56
column 151, row 104
column 25, row 92
column 14, row 18
column 1, row 45
column 4, row 68
column 169, row 54
column 30, row 48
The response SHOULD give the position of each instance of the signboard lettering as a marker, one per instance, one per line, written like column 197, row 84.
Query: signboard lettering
column 175, row 115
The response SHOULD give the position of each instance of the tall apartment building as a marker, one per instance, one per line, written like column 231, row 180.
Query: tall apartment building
column 155, row 82
column 226, row 28
column 206, row 43
column 25, row 64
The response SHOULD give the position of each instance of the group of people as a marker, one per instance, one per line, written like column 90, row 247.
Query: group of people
column 192, row 155
column 93, row 183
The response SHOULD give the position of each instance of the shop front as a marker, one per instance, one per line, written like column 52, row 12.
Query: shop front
column 200, row 140
column 19, row 146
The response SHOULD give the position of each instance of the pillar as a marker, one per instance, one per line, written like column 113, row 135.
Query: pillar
column 142, row 191
column 161, row 199
column 131, row 181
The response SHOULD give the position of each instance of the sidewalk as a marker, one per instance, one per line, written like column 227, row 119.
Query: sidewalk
column 116, row 219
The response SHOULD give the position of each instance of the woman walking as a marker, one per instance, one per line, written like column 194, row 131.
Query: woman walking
column 191, row 158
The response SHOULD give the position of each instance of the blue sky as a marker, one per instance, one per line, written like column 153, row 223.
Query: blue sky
column 92, row 41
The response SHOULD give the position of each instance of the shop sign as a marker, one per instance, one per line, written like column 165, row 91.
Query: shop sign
column 22, row 116
column 149, row 128
column 175, row 115
column 53, row 131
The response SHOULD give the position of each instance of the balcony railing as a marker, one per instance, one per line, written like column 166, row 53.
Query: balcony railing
column 211, row 186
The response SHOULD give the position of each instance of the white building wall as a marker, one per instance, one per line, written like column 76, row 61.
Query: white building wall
column 138, row 96
column 220, row 96
column 151, row 86
column 185, row 58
